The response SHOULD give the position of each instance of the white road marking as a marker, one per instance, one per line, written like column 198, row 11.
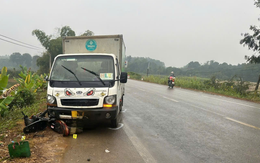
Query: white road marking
column 242, row 123
column 124, row 110
column 120, row 125
column 248, row 125
column 234, row 102
column 144, row 153
column 170, row 99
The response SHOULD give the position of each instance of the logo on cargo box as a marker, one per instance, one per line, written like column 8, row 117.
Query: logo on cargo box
column 91, row 45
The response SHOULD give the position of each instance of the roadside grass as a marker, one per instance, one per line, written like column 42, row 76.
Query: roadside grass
column 232, row 88
column 134, row 75
column 14, row 116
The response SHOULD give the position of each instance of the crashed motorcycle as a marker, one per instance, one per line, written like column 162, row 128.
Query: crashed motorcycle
column 171, row 80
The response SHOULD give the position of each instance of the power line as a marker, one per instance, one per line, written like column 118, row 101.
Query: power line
column 32, row 46
column 19, row 44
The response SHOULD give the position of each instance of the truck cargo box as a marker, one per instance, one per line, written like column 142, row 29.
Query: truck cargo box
column 112, row 44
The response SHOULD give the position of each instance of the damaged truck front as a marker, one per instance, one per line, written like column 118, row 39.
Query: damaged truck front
column 87, row 81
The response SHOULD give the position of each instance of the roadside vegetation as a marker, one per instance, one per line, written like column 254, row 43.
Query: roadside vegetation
column 235, row 87
column 25, row 94
column 222, row 71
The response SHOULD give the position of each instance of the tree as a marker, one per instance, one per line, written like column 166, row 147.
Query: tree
column 252, row 41
column 52, row 45
column 16, row 58
column 88, row 33
column 192, row 65
column 27, row 59
column 66, row 31
column 55, row 47
column 6, row 62
column 42, row 37
column 34, row 62
column 41, row 62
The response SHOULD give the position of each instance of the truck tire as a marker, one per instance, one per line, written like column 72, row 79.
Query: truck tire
column 114, row 123
column 118, row 119
column 121, row 103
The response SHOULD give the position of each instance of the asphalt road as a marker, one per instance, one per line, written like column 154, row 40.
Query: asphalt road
column 173, row 125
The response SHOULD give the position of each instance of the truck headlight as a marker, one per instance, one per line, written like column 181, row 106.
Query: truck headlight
column 110, row 99
column 51, row 100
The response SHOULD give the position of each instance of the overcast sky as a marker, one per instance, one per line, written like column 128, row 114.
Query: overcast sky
column 175, row 32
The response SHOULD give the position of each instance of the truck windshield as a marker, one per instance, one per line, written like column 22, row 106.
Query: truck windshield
column 101, row 65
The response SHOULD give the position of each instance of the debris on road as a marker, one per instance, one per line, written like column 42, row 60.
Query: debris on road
column 23, row 138
column 35, row 122
column 19, row 149
column 40, row 122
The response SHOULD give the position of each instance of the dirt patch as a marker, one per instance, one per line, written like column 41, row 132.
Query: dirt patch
column 45, row 146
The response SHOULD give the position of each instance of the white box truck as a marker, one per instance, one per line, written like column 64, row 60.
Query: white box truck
column 87, row 81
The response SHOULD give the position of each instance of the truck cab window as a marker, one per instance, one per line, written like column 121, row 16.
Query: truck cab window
column 71, row 69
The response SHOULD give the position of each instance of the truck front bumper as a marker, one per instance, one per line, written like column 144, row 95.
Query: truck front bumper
column 84, row 113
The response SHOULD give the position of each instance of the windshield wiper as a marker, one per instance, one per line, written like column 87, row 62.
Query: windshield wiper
column 94, row 74
column 72, row 73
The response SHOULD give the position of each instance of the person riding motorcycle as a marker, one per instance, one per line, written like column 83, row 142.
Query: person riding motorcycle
column 171, row 75
column 171, row 78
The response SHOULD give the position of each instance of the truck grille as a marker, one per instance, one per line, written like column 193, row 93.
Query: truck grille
column 79, row 102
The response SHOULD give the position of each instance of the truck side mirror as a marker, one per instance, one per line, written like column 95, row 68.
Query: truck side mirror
column 123, row 77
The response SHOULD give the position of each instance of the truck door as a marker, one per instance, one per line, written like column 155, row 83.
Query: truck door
column 119, row 88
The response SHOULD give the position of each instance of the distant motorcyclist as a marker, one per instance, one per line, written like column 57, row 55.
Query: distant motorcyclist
column 171, row 79
column 171, row 75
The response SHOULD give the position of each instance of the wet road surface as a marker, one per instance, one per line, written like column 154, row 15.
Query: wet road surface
column 173, row 125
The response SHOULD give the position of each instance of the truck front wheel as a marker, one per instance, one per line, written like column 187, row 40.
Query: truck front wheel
column 114, row 122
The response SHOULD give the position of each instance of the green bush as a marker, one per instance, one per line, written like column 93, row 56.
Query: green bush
column 5, row 99
column 134, row 75
column 23, row 97
column 191, row 82
column 156, row 79
column 30, row 83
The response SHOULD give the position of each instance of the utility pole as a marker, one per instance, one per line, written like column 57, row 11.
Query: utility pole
column 148, row 68
column 256, row 88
